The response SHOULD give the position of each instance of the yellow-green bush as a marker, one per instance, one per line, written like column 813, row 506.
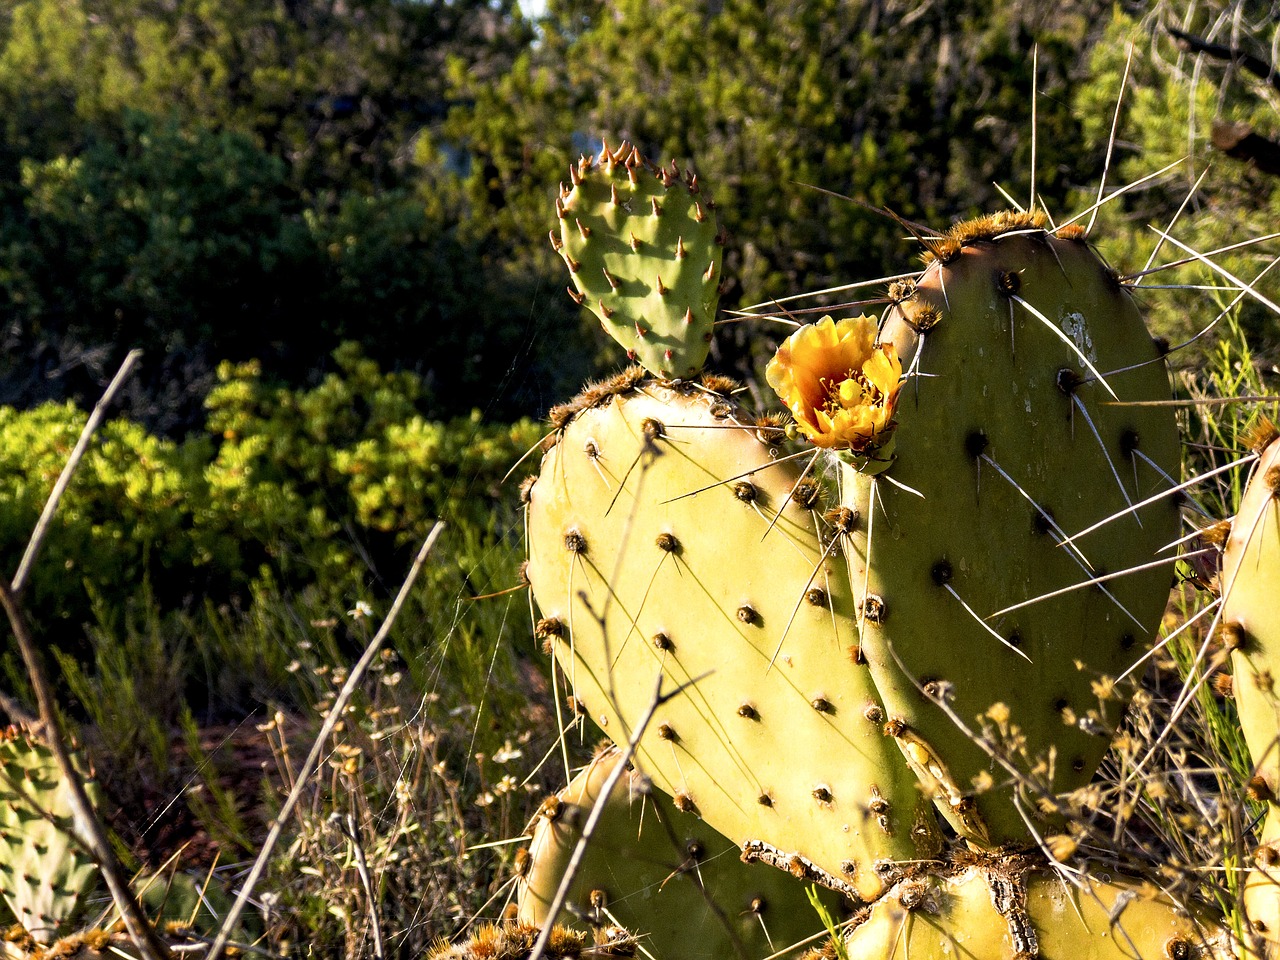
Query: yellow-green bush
column 317, row 487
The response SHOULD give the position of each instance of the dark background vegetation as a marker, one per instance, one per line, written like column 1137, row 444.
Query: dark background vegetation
column 325, row 223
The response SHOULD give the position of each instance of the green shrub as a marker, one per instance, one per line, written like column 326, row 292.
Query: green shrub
column 328, row 488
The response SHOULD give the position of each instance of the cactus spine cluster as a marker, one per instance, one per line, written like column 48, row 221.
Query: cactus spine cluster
column 916, row 631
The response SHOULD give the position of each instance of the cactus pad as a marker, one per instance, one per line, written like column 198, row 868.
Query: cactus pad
column 1003, row 911
column 644, row 252
column 43, row 871
column 664, row 535
column 663, row 874
column 1005, row 445
column 1251, row 629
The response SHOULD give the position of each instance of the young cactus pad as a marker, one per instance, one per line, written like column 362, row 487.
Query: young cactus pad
column 1002, row 911
column 663, row 874
column 1251, row 629
column 664, row 537
column 1006, row 445
column 43, row 871
column 644, row 252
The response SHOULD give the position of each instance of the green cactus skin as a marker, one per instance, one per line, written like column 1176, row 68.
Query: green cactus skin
column 663, row 874
column 1003, row 911
column 43, row 871
column 644, row 251
column 634, row 575
column 512, row 940
column 1002, row 392
column 1251, row 629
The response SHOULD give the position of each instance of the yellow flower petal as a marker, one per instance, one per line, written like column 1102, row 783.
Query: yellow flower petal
column 840, row 387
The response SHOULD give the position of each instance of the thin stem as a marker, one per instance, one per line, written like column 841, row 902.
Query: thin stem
column 51, row 505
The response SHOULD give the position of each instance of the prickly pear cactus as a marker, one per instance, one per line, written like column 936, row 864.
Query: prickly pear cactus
column 644, row 252
column 666, row 535
column 1250, row 584
column 43, row 871
column 663, row 874
column 1003, row 910
column 1015, row 344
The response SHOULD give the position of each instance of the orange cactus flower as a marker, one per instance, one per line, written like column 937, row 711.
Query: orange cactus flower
column 840, row 387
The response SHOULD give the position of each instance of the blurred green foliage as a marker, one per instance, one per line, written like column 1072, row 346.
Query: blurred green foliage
column 328, row 488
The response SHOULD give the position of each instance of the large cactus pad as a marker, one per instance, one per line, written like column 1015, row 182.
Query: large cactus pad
column 644, row 251
column 664, row 536
column 1017, row 344
column 661, row 873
